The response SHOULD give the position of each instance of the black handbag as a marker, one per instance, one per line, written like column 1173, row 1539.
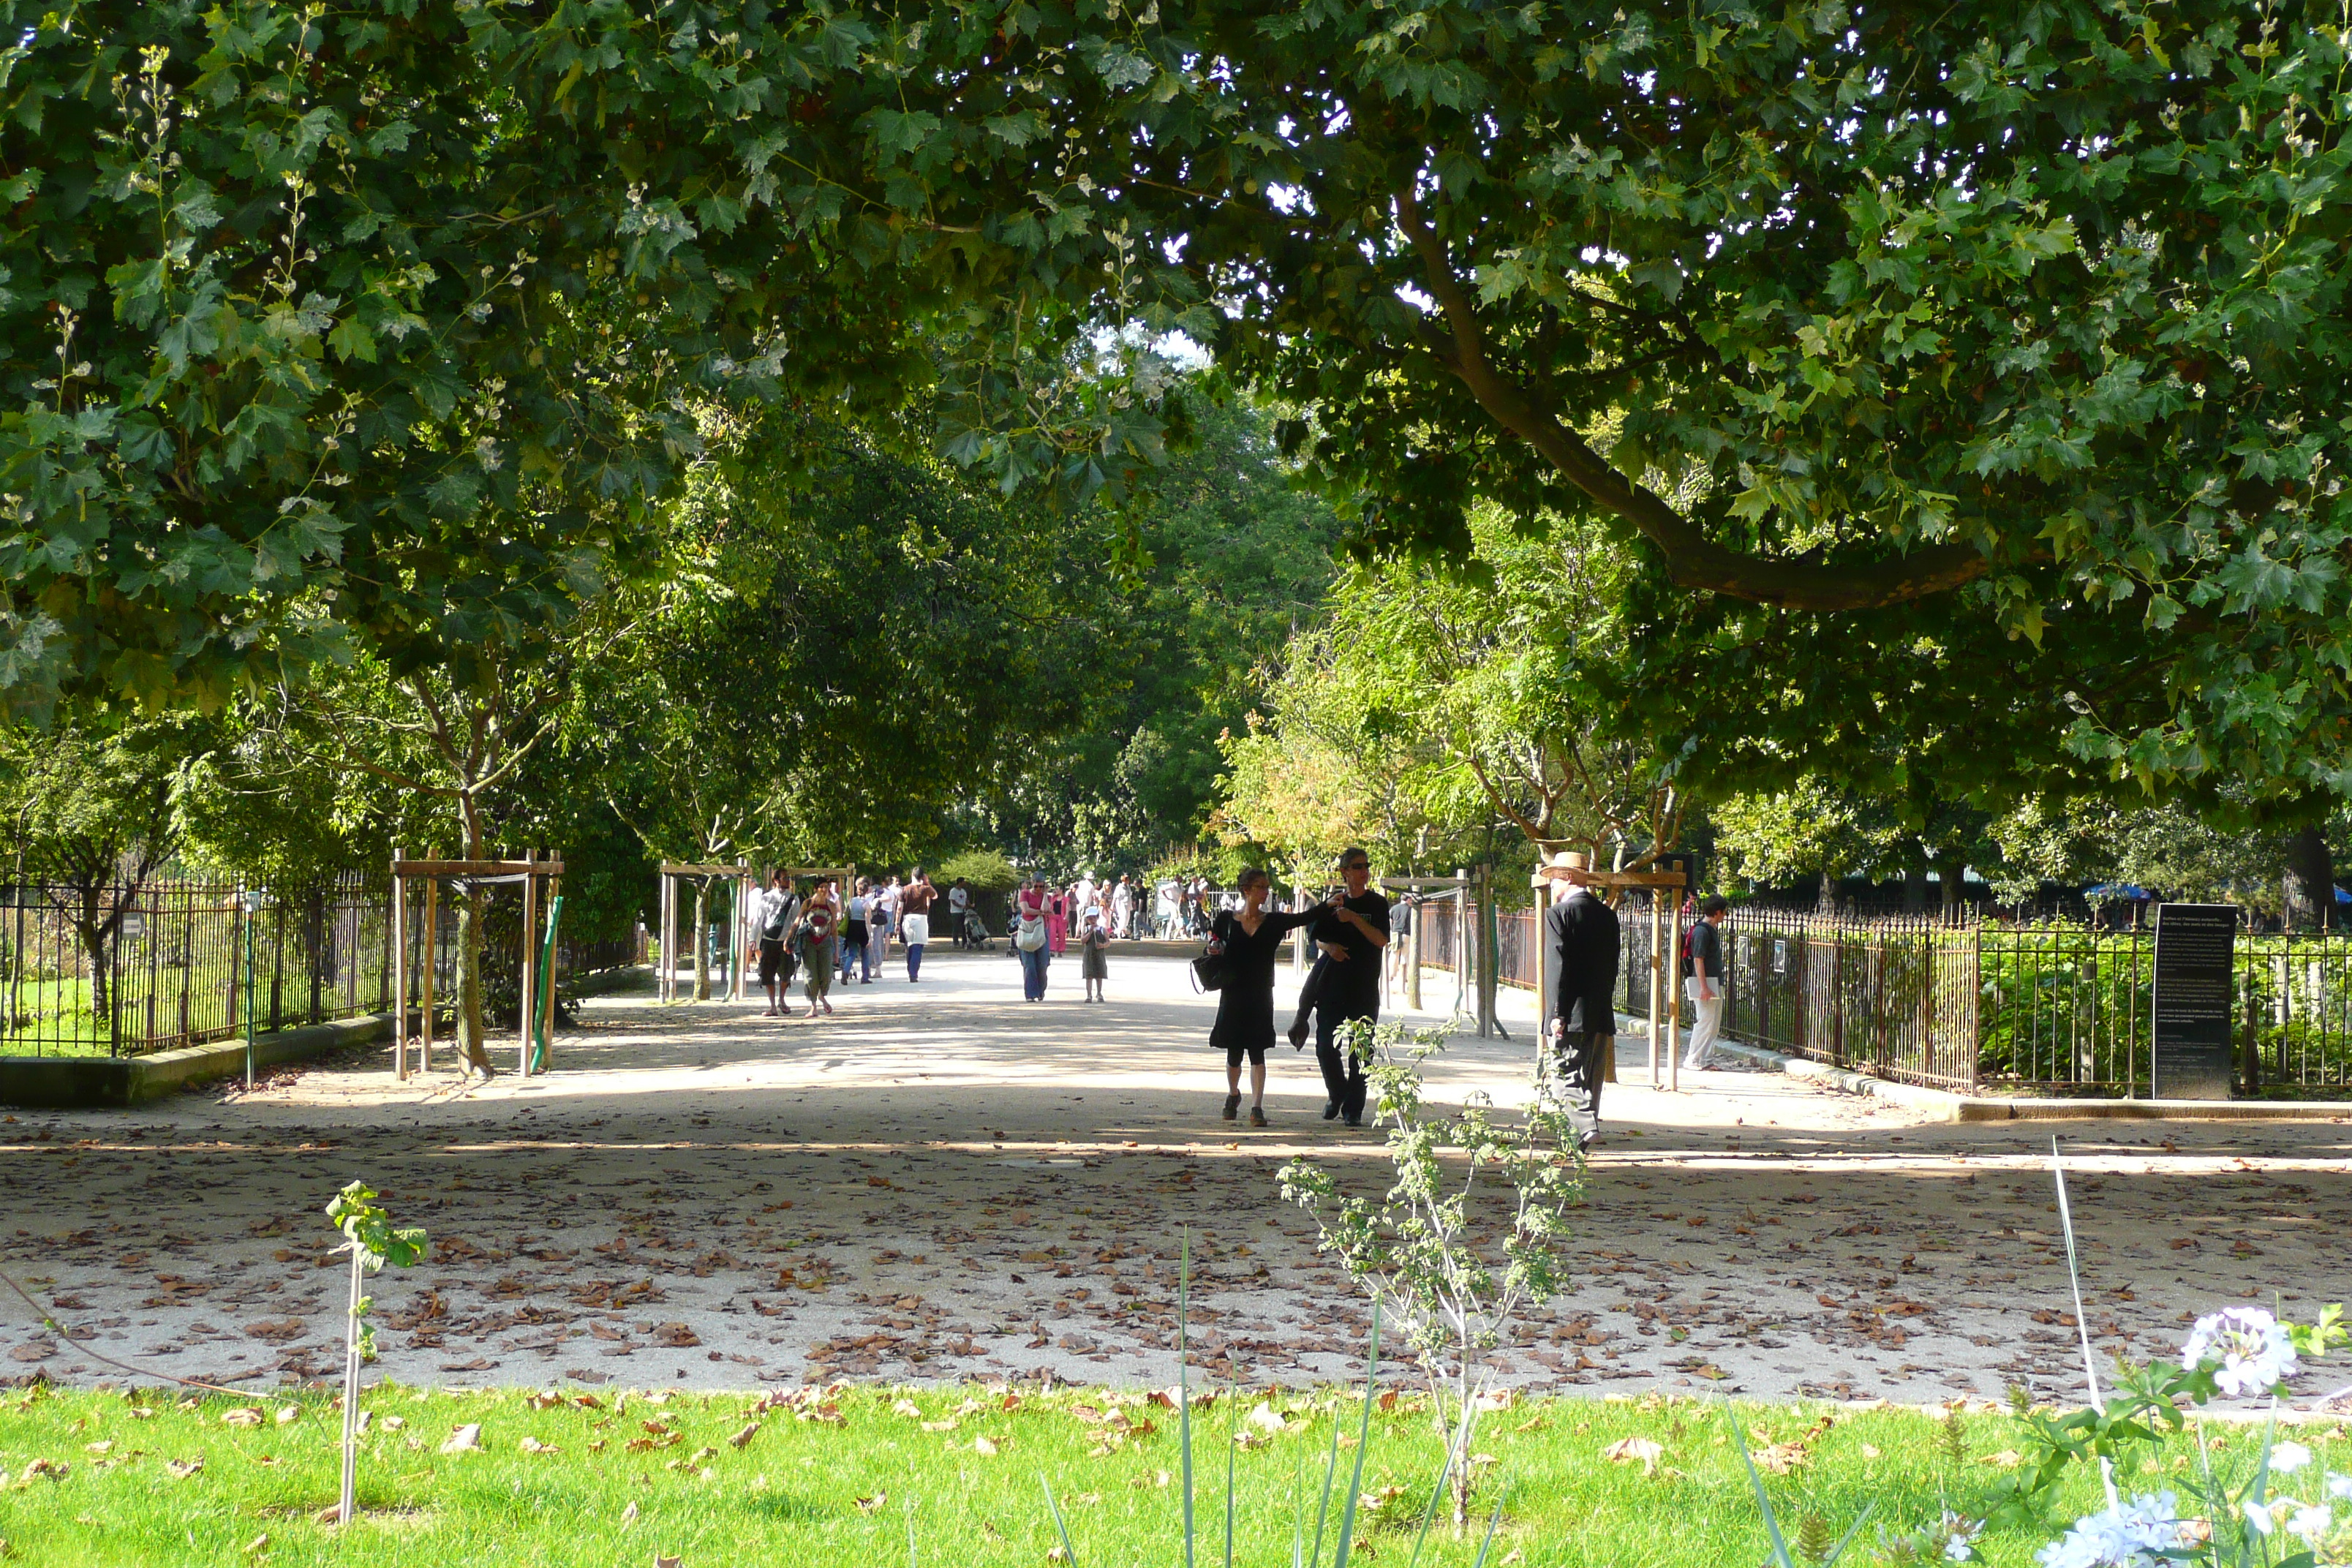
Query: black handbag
column 1209, row 972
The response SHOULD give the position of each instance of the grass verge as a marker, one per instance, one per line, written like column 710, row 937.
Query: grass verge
column 625, row 1480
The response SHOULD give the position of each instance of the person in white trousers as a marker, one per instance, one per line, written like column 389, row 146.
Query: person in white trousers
column 1704, row 983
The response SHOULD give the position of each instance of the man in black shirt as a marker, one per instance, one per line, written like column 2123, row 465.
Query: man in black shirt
column 1580, row 946
column 1351, row 929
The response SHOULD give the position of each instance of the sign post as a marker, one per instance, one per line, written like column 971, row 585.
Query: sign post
column 2190, row 1013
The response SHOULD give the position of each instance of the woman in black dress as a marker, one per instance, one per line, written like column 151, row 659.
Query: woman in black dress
column 1251, row 939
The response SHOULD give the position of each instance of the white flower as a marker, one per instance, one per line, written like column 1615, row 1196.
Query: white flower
column 2311, row 1523
column 2288, row 1458
column 2259, row 1516
column 2340, row 1486
column 2249, row 1350
column 2130, row 1535
column 1959, row 1535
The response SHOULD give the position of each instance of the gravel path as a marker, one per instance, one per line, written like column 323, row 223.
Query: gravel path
column 942, row 1182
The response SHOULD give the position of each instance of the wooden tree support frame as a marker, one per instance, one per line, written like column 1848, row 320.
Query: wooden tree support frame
column 537, row 877
column 1665, row 994
column 741, row 953
column 672, row 914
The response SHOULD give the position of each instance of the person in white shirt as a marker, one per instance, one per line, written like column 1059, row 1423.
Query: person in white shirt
column 1122, row 908
column 960, row 912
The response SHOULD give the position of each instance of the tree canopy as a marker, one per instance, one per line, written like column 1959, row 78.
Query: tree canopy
column 2024, row 317
column 1958, row 381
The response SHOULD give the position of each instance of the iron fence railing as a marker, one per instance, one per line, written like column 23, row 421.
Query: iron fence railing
column 1971, row 1004
column 124, row 970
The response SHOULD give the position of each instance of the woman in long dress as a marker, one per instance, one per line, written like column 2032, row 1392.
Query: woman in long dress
column 1251, row 939
column 1058, row 923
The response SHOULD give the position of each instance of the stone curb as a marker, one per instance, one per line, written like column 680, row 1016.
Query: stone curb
column 103, row 1083
column 1950, row 1107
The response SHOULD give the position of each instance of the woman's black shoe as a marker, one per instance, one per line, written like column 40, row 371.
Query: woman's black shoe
column 1330, row 1109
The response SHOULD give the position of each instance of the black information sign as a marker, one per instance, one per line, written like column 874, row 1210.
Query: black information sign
column 2192, row 1013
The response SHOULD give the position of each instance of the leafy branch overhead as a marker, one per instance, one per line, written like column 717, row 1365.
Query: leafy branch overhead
column 1928, row 324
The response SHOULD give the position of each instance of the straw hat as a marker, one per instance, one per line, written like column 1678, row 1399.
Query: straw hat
column 1561, row 862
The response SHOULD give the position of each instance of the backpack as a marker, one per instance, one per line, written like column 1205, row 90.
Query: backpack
column 779, row 918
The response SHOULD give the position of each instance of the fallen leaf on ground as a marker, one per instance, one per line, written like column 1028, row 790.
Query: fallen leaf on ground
column 743, row 1437
column 1634, row 1450
column 872, row 1504
column 181, row 1470
column 468, row 1436
column 243, row 1415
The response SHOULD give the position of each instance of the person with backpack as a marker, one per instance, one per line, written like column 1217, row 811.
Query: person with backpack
column 774, row 910
column 1703, row 977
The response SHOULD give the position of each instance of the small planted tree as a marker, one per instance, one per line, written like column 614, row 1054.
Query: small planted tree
column 373, row 1241
column 1467, row 1238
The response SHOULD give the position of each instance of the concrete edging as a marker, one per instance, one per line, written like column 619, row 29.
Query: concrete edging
column 102, row 1083
column 1951, row 1106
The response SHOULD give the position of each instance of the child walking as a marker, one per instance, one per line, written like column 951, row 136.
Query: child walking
column 1094, row 962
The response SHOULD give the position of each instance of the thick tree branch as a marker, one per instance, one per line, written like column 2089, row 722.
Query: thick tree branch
column 1693, row 559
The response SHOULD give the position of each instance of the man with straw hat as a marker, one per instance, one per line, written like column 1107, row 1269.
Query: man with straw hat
column 1581, row 944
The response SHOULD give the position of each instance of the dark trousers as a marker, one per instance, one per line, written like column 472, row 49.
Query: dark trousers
column 1343, row 1073
column 1577, row 1058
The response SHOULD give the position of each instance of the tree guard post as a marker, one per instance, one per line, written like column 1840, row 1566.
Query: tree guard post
column 475, row 873
column 399, row 971
column 431, row 944
column 528, row 1002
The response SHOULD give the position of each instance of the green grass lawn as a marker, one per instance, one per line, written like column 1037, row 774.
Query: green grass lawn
column 555, row 1480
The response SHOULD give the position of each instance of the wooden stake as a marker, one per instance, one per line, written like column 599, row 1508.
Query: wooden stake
column 399, row 971
column 1656, row 1070
column 528, row 1003
column 432, row 962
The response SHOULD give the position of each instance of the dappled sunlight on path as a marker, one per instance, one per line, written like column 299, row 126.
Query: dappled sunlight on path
column 942, row 1181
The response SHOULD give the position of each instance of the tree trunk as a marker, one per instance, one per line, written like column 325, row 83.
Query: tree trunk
column 1952, row 870
column 701, row 939
column 2310, row 881
column 473, row 1036
column 1915, row 886
column 1827, row 901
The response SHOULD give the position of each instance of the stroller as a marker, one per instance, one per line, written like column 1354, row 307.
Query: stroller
column 975, row 930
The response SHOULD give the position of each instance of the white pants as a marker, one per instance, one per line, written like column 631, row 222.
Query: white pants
column 1707, row 1023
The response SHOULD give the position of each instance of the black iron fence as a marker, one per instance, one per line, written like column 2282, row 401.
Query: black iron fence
column 122, row 971
column 1976, row 1005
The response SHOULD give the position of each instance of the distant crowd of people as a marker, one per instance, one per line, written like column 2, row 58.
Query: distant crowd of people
column 816, row 931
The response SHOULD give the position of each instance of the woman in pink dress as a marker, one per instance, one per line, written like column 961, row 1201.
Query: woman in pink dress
column 1057, row 921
